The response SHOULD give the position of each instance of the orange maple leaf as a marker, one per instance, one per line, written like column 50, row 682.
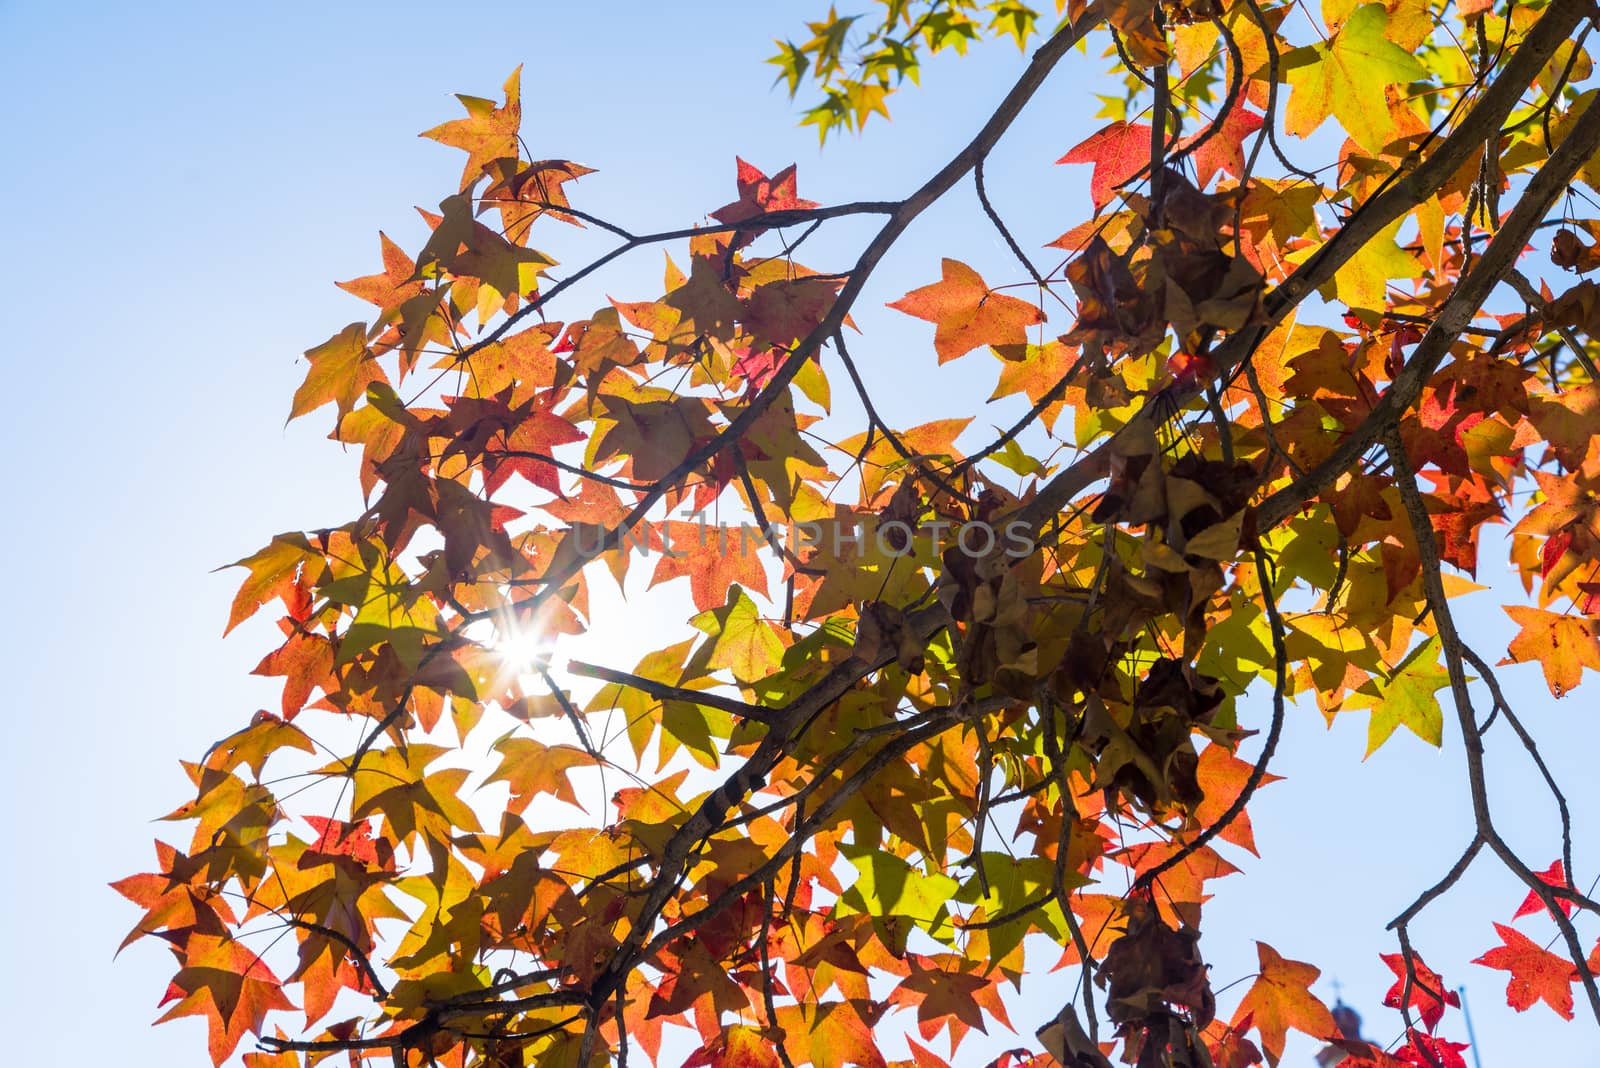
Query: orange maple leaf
column 714, row 558
column 175, row 899
column 487, row 133
column 738, row 1047
column 967, row 314
column 1563, row 645
column 1222, row 776
column 1536, row 973
column 1280, row 999
column 533, row 768
column 228, row 984
column 397, row 283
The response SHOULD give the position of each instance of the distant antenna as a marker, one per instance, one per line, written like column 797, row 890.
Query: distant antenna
column 1477, row 1062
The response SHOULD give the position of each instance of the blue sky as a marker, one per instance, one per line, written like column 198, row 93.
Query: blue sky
column 184, row 184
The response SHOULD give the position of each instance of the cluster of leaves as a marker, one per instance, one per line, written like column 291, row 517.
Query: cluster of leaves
column 859, row 61
column 1265, row 409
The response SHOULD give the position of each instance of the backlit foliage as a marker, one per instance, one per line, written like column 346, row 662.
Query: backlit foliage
column 1325, row 316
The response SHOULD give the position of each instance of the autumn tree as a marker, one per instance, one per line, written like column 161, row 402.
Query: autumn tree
column 938, row 704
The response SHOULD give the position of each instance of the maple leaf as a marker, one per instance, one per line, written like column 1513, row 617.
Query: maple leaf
column 1568, row 421
column 886, row 884
column 1430, row 1051
column 341, row 370
column 274, row 572
column 1223, row 150
column 1222, row 777
column 305, row 662
column 1554, row 875
column 1183, row 885
column 1033, row 372
column 1363, row 281
column 1406, row 697
column 488, row 132
column 922, row 1057
column 655, row 435
column 522, row 193
column 967, row 314
column 1345, row 78
column 229, row 985
column 391, row 782
column 758, row 366
column 1536, row 973
column 1428, row 995
column 834, row 1034
column 488, row 272
column 1135, row 20
column 336, row 838
column 397, row 284
column 759, row 194
column 1118, row 152
column 253, row 745
column 533, row 768
column 1280, row 998
column 535, row 435
column 740, row 640
column 175, row 899
column 1228, row 1046
column 715, row 559
column 1563, row 645
column 781, row 313
column 736, row 1047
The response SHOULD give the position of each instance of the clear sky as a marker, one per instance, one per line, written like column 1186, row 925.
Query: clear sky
column 184, row 183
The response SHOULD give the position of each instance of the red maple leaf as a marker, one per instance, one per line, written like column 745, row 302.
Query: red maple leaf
column 1428, row 1051
column 537, row 434
column 1554, row 875
column 757, row 366
column 759, row 194
column 336, row 838
column 1224, row 149
column 1118, row 153
column 1428, row 995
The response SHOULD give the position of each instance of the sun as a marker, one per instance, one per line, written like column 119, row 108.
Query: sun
column 524, row 651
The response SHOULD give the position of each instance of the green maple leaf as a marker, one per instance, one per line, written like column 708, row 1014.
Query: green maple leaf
column 1346, row 79
column 741, row 640
column 889, row 886
column 1407, row 697
column 1363, row 281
